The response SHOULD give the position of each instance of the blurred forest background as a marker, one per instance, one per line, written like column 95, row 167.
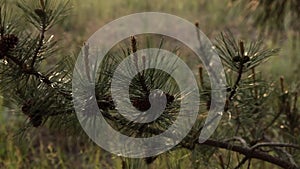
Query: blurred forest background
column 46, row 148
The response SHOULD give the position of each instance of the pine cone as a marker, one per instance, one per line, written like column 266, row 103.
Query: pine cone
column 41, row 13
column 36, row 120
column 7, row 43
column 143, row 104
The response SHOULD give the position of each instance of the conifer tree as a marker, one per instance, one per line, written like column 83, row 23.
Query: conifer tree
column 260, row 117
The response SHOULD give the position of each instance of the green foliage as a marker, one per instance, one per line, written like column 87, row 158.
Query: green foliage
column 44, row 96
column 255, row 53
column 45, row 14
column 39, row 94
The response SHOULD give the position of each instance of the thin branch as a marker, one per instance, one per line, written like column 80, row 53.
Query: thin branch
column 123, row 164
column 273, row 121
column 31, row 71
column 249, row 164
column 295, row 102
column 250, row 153
column 270, row 144
column 240, row 72
column 41, row 40
column 254, row 83
column 221, row 162
column 240, row 139
column 288, row 155
column 86, row 61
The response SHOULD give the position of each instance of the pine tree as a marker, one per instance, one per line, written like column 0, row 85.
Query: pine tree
column 44, row 95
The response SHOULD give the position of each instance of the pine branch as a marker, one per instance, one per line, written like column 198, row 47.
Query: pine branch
column 273, row 144
column 25, row 69
column 249, row 152
column 240, row 72
column 221, row 162
column 227, row 51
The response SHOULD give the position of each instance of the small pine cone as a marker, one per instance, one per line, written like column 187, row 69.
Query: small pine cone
column 41, row 13
column 170, row 98
column 26, row 107
column 141, row 104
column 7, row 43
column 106, row 105
column 10, row 41
column 246, row 59
column 36, row 120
